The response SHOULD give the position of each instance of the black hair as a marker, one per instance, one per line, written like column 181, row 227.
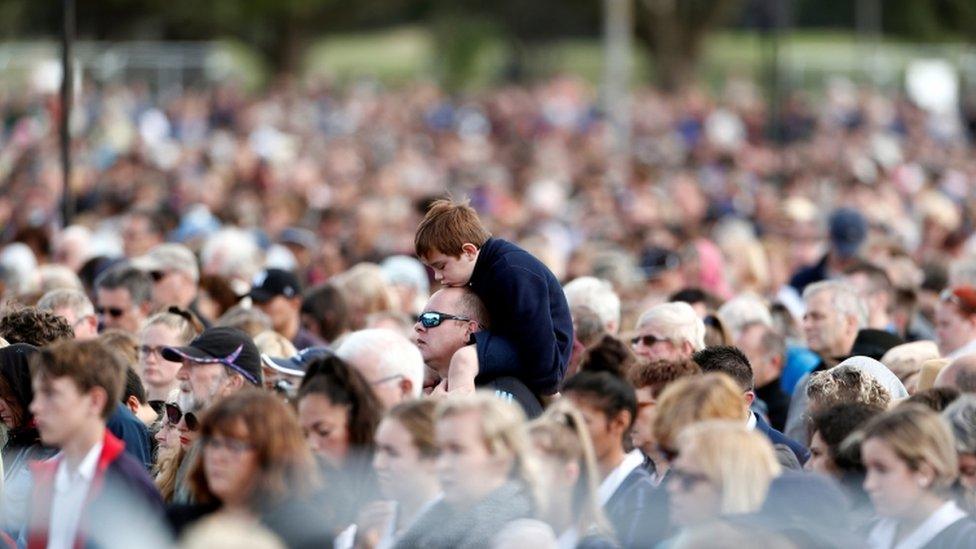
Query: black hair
column 343, row 385
column 728, row 360
column 133, row 387
column 326, row 304
column 138, row 283
column 609, row 393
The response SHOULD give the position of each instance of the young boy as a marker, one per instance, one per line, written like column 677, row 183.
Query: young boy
column 92, row 487
column 525, row 302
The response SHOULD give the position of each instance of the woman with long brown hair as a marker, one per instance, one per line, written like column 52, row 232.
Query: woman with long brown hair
column 255, row 463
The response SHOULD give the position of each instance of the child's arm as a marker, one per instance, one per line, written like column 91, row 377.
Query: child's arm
column 463, row 370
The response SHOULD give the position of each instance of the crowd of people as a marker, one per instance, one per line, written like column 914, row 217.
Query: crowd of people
column 265, row 325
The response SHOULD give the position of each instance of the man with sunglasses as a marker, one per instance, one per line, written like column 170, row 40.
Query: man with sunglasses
column 124, row 297
column 175, row 277
column 449, row 322
column 217, row 363
column 669, row 331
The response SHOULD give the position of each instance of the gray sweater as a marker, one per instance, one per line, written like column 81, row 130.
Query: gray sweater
column 445, row 526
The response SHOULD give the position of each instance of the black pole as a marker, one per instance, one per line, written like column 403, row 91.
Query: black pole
column 67, row 38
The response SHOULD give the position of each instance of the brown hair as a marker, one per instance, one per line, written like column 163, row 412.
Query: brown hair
column 122, row 342
column 30, row 325
column 658, row 374
column 166, row 469
column 417, row 417
column 918, row 435
column 693, row 399
column 284, row 462
column 89, row 364
column 447, row 226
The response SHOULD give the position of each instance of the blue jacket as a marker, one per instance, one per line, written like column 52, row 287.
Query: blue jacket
column 527, row 307
column 776, row 437
column 133, row 432
column 634, row 511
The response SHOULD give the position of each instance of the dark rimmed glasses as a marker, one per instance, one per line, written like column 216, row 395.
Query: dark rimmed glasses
column 433, row 319
column 174, row 415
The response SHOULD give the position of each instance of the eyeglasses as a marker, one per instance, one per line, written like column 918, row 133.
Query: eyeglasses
column 146, row 350
column 233, row 445
column 174, row 415
column 433, row 319
column 385, row 379
column 648, row 340
column 113, row 312
column 157, row 275
column 686, row 480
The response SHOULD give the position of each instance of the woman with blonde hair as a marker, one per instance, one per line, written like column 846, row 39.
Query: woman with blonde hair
column 486, row 473
column 723, row 468
column 911, row 462
column 569, row 478
column 694, row 399
column 366, row 292
column 166, row 329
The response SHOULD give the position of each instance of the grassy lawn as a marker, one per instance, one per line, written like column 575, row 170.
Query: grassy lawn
column 406, row 53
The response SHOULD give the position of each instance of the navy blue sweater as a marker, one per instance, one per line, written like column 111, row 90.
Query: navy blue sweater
column 528, row 308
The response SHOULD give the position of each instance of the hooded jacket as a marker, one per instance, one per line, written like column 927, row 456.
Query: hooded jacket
column 23, row 441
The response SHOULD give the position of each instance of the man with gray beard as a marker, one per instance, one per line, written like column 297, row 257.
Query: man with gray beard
column 218, row 363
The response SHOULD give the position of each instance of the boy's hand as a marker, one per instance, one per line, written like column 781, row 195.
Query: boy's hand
column 463, row 370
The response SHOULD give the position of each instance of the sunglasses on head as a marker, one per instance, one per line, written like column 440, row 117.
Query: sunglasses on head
column 432, row 319
column 685, row 479
column 648, row 340
column 174, row 415
column 113, row 312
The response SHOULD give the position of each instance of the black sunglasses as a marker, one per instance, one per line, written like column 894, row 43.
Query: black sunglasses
column 433, row 319
column 112, row 311
column 685, row 479
column 157, row 275
column 647, row 340
column 174, row 414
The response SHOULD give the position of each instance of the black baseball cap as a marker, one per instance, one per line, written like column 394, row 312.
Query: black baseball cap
column 222, row 345
column 274, row 282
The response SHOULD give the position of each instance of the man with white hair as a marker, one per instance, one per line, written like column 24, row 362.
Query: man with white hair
column 669, row 331
column 391, row 364
column 834, row 314
column 598, row 295
column 75, row 307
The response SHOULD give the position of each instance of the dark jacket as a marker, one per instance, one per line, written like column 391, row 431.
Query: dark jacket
column 777, row 403
column 116, row 473
column 528, row 308
column 443, row 526
column 131, row 430
column 810, row 274
column 776, row 437
column 633, row 512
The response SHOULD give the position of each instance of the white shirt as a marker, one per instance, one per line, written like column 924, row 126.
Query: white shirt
column 883, row 534
column 751, row 422
column 631, row 461
column 70, row 492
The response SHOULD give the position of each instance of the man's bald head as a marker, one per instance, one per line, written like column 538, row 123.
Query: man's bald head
column 960, row 374
column 468, row 304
